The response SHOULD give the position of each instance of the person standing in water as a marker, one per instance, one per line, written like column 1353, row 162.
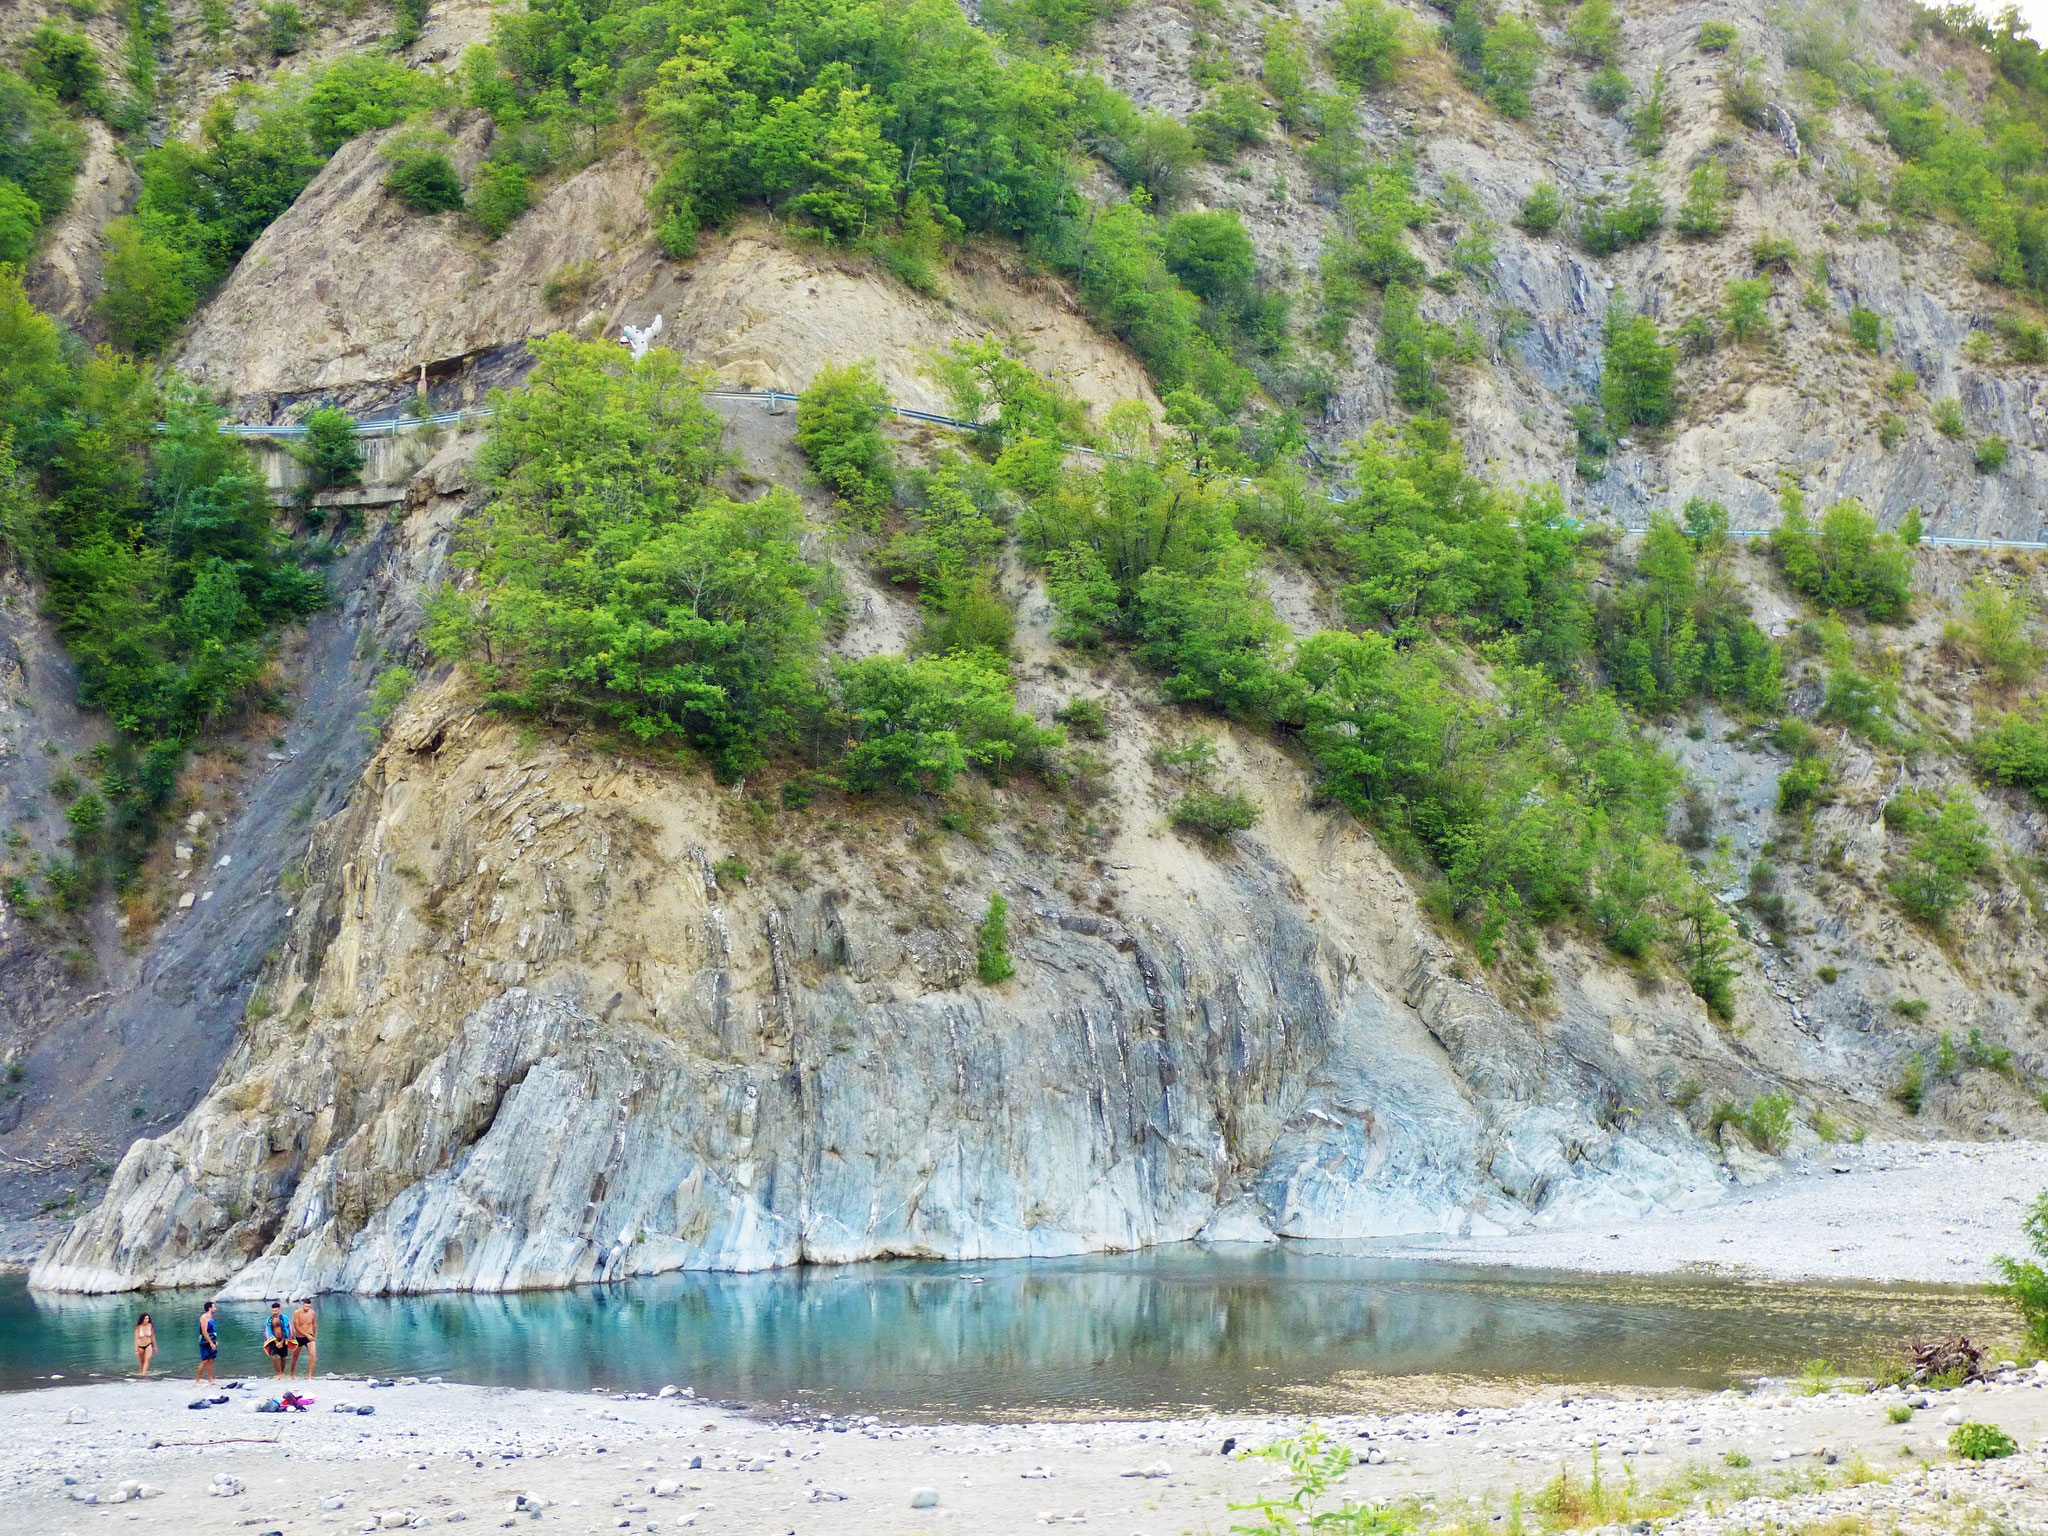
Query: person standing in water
column 145, row 1343
column 305, row 1336
column 209, row 1344
column 277, row 1339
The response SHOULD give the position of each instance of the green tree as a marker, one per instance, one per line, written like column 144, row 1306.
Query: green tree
column 1745, row 313
column 20, row 221
column 1594, row 32
column 1638, row 373
column 2023, row 1282
column 146, row 295
column 425, row 183
column 501, row 194
column 1948, row 848
column 1512, row 53
column 839, row 430
column 1705, row 209
column 330, row 450
column 1542, row 209
column 992, row 948
column 613, row 583
column 1365, row 43
column 62, row 63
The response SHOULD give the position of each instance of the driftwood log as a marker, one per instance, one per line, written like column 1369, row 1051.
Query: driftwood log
column 1956, row 1357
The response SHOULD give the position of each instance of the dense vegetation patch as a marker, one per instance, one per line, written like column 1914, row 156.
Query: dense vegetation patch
column 160, row 561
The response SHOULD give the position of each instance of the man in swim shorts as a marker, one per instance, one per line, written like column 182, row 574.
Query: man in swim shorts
column 305, row 1334
column 277, row 1339
column 209, row 1344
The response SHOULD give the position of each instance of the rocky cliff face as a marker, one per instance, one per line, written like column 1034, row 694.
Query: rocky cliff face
column 524, row 1034
column 511, row 1026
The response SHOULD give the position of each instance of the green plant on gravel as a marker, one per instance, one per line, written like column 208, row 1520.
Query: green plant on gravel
column 1314, row 1463
column 1981, row 1442
column 1898, row 1413
column 2024, row 1282
column 839, row 430
column 1990, row 455
column 1768, row 1120
column 1948, row 418
column 1715, row 37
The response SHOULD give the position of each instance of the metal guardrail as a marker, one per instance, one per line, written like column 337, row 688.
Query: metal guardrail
column 392, row 426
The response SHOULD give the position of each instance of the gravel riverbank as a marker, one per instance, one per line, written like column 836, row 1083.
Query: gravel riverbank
column 1932, row 1211
column 86, row 1459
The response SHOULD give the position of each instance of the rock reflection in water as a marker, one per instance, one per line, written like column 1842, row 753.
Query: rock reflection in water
column 1165, row 1329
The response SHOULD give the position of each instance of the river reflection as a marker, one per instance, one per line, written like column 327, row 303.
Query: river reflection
column 1170, row 1328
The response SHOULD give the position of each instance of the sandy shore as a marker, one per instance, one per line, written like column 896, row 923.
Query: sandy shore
column 436, row 1454
column 1920, row 1211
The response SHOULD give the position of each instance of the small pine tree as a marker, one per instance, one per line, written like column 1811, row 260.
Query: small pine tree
column 994, row 949
column 1911, row 532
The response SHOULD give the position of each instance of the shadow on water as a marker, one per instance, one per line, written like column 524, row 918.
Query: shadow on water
column 1165, row 1329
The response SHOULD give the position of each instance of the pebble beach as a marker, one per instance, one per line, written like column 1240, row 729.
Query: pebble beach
column 132, row 1456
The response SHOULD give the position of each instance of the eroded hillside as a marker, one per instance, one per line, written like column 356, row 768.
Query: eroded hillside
column 533, row 1008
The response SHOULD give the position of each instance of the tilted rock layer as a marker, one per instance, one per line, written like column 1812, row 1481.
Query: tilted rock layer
column 526, row 1036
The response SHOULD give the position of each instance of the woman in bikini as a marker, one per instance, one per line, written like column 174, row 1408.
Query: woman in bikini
column 145, row 1343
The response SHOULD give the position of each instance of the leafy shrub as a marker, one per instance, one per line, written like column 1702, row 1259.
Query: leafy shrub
column 1607, row 89
column 1715, row 37
column 2024, row 1282
column 1801, row 783
column 1508, row 62
column 21, row 219
column 1846, row 563
column 62, row 63
column 1606, row 226
column 1637, row 374
column 1084, row 718
column 41, row 149
column 1947, row 850
column 386, row 695
column 284, row 27
column 2026, row 341
column 1990, row 455
column 425, row 183
column 1866, row 328
column 330, row 450
column 1774, row 251
column 1705, row 209
column 1542, row 209
column 501, row 194
column 695, row 627
column 918, row 725
column 1594, row 32
column 1891, row 430
column 1914, row 1008
column 1745, row 313
column 1365, row 43
column 1948, row 418
column 839, row 430
column 1912, row 1090
column 992, row 946
column 1215, row 814
column 1981, row 1442
column 1999, row 632
column 1768, row 1120
column 1235, row 118
column 1743, row 94
column 2013, row 749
